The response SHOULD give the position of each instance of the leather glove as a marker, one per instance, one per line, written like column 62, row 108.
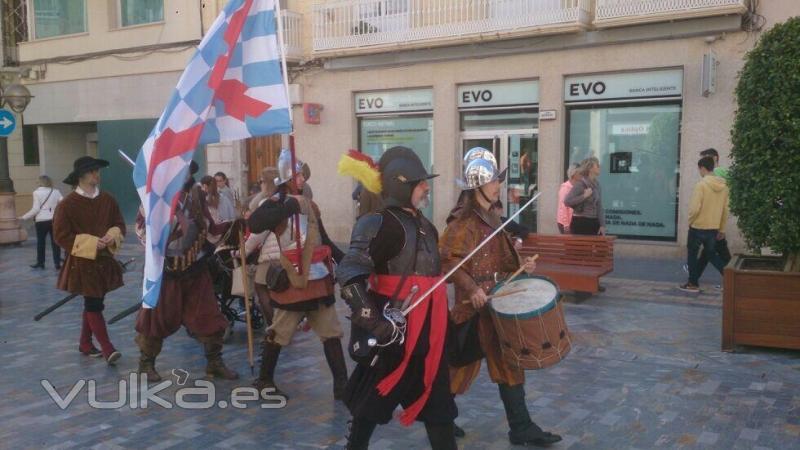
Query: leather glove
column 365, row 314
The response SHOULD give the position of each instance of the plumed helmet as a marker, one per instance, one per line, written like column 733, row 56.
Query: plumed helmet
column 285, row 167
column 401, row 170
column 480, row 172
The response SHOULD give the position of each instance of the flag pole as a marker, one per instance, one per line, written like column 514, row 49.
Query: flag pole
column 282, row 45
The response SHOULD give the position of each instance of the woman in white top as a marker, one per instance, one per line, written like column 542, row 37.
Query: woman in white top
column 45, row 199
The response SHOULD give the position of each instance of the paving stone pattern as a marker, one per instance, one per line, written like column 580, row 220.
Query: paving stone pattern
column 645, row 372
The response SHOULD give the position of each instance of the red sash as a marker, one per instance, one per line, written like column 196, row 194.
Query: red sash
column 387, row 285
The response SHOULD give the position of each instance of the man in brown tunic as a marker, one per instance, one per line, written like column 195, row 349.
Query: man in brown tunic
column 471, row 222
column 88, row 225
column 187, row 294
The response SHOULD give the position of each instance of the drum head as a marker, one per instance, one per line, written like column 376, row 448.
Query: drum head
column 539, row 296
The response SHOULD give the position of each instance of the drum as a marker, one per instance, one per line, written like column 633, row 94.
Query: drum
column 530, row 322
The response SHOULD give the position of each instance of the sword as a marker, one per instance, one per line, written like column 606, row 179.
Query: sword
column 126, row 158
column 422, row 297
column 64, row 300
column 125, row 313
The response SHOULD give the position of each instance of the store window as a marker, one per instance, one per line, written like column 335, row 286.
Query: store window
column 138, row 12
column 397, row 118
column 58, row 17
column 638, row 147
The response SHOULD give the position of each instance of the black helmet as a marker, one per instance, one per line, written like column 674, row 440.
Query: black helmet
column 401, row 170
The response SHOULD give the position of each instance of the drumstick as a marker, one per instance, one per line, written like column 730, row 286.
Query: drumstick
column 511, row 278
column 519, row 271
column 504, row 294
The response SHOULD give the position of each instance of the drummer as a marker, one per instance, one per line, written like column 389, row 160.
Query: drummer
column 470, row 223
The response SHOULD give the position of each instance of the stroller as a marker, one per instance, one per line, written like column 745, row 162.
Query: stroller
column 221, row 267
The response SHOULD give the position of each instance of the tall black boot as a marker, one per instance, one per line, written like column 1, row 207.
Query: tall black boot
column 335, row 357
column 522, row 430
column 266, row 373
column 441, row 436
column 358, row 433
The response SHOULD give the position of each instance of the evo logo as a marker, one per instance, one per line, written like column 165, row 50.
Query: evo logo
column 370, row 103
column 481, row 95
column 592, row 87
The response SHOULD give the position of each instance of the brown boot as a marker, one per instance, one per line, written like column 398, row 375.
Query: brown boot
column 149, row 348
column 266, row 373
column 335, row 357
column 216, row 367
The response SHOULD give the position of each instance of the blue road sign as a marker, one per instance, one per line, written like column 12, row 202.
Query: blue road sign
column 7, row 122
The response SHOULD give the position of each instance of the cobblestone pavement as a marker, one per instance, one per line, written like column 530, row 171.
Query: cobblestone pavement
column 645, row 372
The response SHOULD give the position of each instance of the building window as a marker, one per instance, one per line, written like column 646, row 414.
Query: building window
column 638, row 149
column 30, row 145
column 137, row 12
column 58, row 17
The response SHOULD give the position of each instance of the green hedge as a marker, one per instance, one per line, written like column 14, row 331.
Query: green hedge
column 765, row 175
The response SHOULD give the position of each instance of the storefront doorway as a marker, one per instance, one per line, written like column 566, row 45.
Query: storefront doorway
column 503, row 116
column 519, row 151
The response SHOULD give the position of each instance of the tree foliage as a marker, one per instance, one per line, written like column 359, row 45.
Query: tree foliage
column 765, row 175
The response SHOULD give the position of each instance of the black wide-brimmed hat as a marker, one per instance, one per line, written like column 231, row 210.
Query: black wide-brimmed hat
column 82, row 165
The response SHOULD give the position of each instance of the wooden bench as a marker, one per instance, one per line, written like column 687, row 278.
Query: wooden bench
column 574, row 262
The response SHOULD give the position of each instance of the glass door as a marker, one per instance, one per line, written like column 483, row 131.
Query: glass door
column 522, row 155
column 519, row 152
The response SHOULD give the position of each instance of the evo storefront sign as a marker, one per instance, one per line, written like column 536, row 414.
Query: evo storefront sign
column 496, row 95
column 388, row 102
column 624, row 86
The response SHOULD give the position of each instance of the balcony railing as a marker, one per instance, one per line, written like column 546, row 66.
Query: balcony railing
column 629, row 12
column 341, row 25
column 293, row 34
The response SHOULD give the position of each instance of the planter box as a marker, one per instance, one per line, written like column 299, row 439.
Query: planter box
column 760, row 307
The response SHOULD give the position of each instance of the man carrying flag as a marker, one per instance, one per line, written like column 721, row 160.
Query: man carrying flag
column 187, row 294
column 231, row 89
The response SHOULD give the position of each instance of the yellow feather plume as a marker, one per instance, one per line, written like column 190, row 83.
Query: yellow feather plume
column 361, row 171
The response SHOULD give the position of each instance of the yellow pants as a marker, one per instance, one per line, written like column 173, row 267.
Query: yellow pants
column 323, row 321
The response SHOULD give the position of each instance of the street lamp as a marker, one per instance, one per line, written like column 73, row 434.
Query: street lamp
column 16, row 97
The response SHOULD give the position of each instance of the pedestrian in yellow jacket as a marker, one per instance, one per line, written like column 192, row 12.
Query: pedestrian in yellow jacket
column 708, row 213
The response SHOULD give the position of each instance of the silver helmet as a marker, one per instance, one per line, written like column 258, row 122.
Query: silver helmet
column 285, row 167
column 479, row 152
column 481, row 169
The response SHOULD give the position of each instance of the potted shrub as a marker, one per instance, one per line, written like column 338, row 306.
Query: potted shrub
column 761, row 299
